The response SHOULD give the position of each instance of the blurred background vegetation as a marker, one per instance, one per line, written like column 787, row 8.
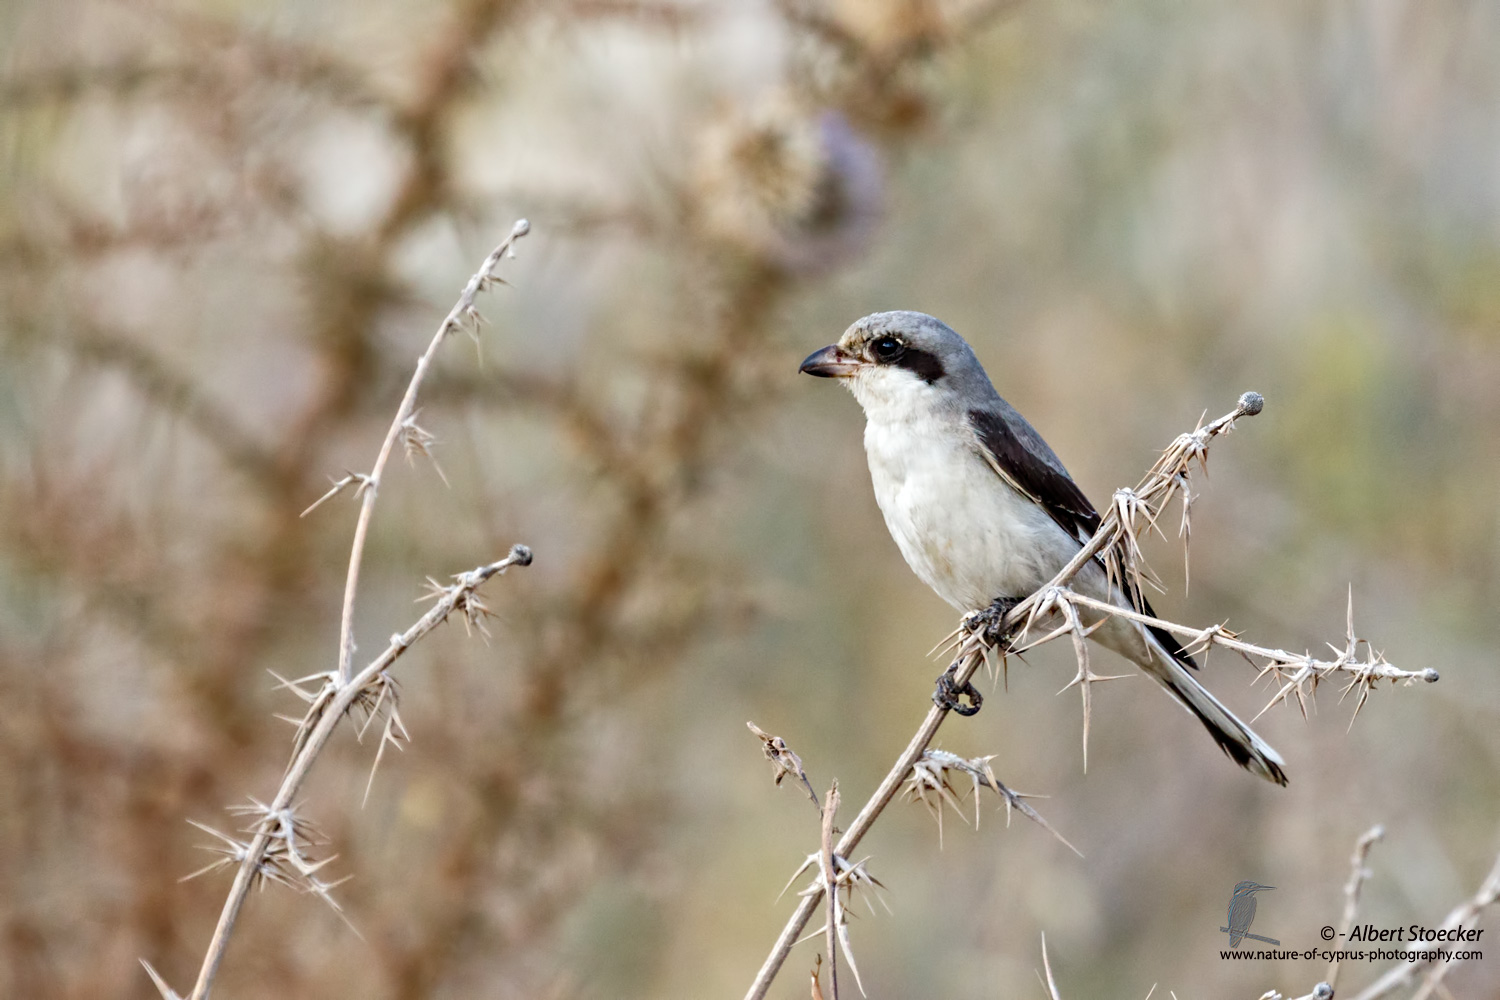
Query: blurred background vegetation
column 227, row 229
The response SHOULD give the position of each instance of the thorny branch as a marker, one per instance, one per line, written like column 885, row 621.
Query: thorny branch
column 463, row 313
column 1298, row 674
column 278, row 840
column 830, row 810
column 1116, row 544
column 321, row 721
column 932, row 774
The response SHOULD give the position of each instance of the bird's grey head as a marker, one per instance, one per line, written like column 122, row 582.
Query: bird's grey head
column 903, row 362
column 1250, row 888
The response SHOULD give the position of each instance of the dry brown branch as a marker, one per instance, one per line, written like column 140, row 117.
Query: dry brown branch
column 160, row 384
column 929, row 34
column 253, row 50
column 835, row 873
column 220, row 54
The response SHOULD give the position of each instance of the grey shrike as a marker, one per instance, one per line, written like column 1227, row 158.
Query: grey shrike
column 982, row 509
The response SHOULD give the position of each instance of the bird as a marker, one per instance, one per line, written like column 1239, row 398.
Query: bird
column 1242, row 911
column 984, row 511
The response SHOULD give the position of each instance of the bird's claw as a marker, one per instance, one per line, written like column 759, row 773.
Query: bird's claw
column 949, row 691
column 989, row 623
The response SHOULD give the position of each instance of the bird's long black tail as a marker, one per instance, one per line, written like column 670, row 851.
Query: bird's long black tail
column 1235, row 738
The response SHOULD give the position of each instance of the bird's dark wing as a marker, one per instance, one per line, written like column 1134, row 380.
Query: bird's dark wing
column 1022, row 459
column 1035, row 474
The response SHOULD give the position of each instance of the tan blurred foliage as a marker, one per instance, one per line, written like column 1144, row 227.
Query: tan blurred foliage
column 227, row 230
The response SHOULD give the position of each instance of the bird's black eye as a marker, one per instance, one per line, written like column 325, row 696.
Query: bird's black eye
column 887, row 348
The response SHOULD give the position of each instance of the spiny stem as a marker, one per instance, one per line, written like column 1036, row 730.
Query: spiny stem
column 462, row 310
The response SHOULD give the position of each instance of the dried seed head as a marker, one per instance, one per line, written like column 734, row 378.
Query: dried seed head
column 783, row 760
column 787, row 183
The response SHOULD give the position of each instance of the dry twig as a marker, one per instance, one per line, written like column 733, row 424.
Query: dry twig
column 835, row 872
column 1358, row 873
column 463, row 315
column 830, row 885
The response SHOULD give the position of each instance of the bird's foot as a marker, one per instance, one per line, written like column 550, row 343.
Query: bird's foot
column 949, row 691
column 990, row 622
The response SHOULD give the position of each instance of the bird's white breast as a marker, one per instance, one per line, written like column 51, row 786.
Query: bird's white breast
column 962, row 529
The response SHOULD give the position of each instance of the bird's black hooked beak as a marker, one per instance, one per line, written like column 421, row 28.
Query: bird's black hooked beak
column 830, row 362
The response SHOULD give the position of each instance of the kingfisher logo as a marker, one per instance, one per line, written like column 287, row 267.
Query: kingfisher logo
column 1242, row 914
column 1414, row 945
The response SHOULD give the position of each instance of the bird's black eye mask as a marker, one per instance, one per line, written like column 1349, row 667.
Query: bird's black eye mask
column 923, row 364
